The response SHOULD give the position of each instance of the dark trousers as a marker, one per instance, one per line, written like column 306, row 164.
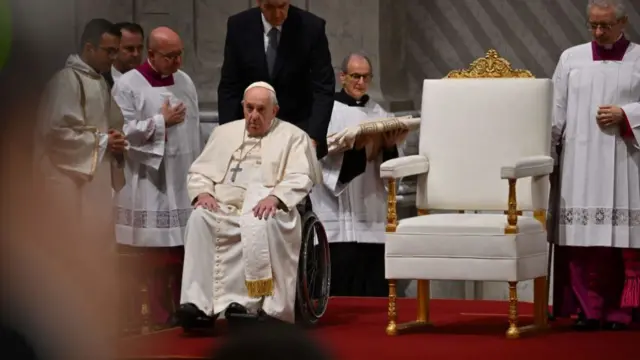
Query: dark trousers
column 357, row 269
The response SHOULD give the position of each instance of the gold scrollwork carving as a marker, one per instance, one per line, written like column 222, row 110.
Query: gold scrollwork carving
column 490, row 66
column 388, row 125
column 392, row 216
column 392, row 327
column 512, row 213
column 513, row 332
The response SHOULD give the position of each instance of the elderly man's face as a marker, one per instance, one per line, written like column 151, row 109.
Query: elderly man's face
column 131, row 48
column 275, row 11
column 259, row 111
column 605, row 27
column 357, row 78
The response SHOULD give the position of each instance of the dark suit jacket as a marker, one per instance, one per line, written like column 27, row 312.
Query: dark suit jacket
column 304, row 79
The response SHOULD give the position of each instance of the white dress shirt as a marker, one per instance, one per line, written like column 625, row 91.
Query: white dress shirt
column 267, row 28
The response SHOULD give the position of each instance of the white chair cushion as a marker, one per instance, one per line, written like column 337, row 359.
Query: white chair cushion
column 466, row 247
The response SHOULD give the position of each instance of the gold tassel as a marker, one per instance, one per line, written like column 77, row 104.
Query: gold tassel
column 259, row 288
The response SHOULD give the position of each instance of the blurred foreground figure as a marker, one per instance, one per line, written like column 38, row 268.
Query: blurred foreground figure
column 58, row 285
column 270, row 341
column 243, row 239
column 162, row 125
column 597, row 122
column 80, row 146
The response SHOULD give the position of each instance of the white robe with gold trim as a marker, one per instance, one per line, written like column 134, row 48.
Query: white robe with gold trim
column 283, row 163
column 71, row 150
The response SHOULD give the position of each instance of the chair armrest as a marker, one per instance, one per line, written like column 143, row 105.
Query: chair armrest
column 530, row 166
column 404, row 166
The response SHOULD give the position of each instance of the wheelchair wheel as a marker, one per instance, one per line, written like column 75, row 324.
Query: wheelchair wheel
column 314, row 272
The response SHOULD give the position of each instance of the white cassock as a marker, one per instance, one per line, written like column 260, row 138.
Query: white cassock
column 231, row 256
column 600, row 186
column 115, row 74
column 153, row 208
column 355, row 211
column 71, row 149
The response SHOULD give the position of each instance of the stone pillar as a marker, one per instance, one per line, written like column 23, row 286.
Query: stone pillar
column 210, row 24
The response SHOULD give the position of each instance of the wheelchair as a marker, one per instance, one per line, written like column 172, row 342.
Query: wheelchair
column 314, row 269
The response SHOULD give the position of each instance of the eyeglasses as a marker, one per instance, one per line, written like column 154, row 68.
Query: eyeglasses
column 604, row 26
column 173, row 56
column 365, row 77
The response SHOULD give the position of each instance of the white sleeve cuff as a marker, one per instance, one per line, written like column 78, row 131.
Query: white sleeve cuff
column 103, row 142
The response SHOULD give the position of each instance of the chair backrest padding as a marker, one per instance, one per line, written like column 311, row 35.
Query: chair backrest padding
column 470, row 129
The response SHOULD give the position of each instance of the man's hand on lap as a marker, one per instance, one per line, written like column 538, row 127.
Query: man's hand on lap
column 206, row 201
column 266, row 208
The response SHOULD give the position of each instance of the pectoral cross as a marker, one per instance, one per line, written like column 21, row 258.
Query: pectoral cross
column 235, row 171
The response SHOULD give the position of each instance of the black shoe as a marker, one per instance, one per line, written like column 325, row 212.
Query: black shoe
column 615, row 326
column 264, row 318
column 238, row 316
column 193, row 319
column 586, row 325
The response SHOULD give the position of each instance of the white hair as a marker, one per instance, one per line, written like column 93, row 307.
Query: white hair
column 274, row 98
column 617, row 5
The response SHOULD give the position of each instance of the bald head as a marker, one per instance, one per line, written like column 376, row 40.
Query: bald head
column 162, row 37
column 165, row 50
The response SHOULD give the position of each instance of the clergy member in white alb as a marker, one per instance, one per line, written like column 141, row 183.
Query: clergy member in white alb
column 597, row 122
column 243, row 238
column 129, row 55
column 162, row 125
column 79, row 137
column 351, row 201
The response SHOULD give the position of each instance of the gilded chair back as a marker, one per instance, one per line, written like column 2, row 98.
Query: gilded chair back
column 475, row 121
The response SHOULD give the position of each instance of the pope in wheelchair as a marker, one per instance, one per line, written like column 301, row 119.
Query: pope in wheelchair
column 246, row 239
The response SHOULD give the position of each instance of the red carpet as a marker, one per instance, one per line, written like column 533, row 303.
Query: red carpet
column 353, row 329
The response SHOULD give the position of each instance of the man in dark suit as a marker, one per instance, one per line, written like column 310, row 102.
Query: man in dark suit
column 288, row 48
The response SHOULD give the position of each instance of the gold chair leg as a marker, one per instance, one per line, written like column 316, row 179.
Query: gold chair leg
column 392, row 327
column 424, row 297
column 513, row 332
column 540, row 302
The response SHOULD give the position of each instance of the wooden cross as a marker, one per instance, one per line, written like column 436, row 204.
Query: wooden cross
column 235, row 172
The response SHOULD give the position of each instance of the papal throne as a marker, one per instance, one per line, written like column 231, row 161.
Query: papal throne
column 484, row 146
